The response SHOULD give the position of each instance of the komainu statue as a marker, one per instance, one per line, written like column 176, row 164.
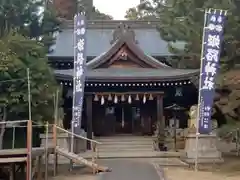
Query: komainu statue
column 193, row 116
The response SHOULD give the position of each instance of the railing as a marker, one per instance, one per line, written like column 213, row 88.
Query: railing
column 29, row 173
column 93, row 143
column 14, row 127
column 55, row 131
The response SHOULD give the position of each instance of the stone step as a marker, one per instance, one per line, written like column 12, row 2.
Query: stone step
column 123, row 139
column 126, row 150
column 124, row 145
column 134, row 154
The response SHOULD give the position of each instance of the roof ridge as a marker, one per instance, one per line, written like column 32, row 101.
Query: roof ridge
column 113, row 23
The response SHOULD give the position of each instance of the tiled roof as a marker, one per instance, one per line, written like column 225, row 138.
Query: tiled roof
column 98, row 41
column 134, row 74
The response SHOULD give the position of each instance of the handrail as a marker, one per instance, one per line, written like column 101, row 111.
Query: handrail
column 87, row 139
column 13, row 122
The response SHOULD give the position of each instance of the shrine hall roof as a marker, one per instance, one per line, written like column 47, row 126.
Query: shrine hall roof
column 100, row 35
column 131, row 74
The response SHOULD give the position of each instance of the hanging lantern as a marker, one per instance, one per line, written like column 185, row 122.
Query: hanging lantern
column 115, row 99
column 109, row 97
column 144, row 99
column 137, row 97
column 150, row 97
column 96, row 98
column 122, row 98
column 129, row 99
column 102, row 100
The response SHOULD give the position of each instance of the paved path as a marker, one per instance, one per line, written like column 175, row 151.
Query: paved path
column 129, row 170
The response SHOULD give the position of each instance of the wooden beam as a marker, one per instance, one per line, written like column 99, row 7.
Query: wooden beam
column 126, row 93
column 12, row 160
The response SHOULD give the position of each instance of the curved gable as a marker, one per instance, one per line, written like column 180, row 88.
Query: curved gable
column 122, row 48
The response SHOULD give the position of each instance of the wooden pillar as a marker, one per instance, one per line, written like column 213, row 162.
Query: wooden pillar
column 161, row 121
column 160, row 110
column 39, row 171
column 89, row 119
column 12, row 172
column 55, row 137
column 29, row 150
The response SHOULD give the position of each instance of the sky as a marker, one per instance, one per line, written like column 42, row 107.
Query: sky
column 116, row 8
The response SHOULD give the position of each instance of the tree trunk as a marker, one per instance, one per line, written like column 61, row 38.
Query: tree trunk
column 2, row 127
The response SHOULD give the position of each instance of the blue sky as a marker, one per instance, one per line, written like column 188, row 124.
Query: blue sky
column 115, row 8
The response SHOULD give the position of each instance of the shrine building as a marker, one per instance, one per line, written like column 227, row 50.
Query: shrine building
column 128, row 80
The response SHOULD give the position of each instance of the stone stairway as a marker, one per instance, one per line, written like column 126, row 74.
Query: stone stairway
column 125, row 146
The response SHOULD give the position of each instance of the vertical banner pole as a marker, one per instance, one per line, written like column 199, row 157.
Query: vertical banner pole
column 210, row 56
column 29, row 131
column 74, row 90
column 57, row 102
column 29, row 95
column 199, row 97
column 79, row 75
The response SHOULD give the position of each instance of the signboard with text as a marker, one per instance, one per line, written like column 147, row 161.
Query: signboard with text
column 79, row 71
column 212, row 40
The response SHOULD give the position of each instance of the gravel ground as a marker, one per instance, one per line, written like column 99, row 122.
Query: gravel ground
column 184, row 174
column 229, row 170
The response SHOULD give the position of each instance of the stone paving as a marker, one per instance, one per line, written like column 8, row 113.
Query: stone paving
column 129, row 170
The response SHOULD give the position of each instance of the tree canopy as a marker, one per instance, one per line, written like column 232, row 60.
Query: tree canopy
column 182, row 21
column 25, row 33
column 34, row 19
column 67, row 9
column 143, row 11
column 17, row 54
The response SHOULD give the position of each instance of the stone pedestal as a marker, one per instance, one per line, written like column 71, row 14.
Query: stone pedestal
column 64, row 141
column 207, row 149
column 61, row 140
column 79, row 145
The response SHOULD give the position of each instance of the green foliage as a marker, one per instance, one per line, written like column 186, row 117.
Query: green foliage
column 27, row 18
column 26, row 32
column 229, row 130
column 182, row 21
column 144, row 11
column 17, row 54
column 17, row 14
column 49, row 25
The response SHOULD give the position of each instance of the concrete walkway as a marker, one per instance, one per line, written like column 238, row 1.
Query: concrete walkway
column 129, row 170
